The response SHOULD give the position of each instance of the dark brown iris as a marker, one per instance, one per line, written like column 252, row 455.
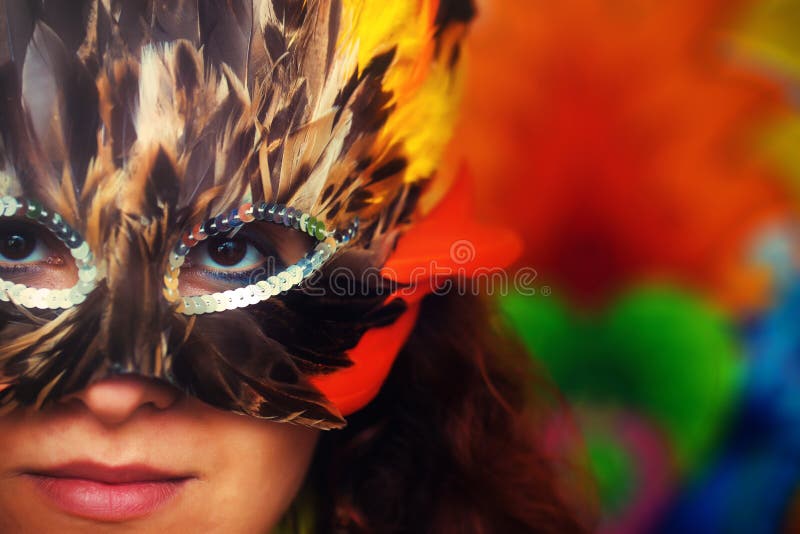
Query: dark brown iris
column 226, row 251
column 17, row 244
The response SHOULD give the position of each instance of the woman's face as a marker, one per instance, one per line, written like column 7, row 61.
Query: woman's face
column 129, row 455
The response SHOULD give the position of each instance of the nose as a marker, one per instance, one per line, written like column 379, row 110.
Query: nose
column 115, row 400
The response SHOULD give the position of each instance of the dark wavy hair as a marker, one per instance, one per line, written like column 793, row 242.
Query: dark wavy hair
column 451, row 444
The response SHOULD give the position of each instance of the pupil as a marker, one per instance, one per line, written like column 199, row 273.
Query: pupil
column 17, row 246
column 227, row 252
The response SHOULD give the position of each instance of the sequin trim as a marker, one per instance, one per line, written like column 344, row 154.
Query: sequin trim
column 43, row 298
column 329, row 241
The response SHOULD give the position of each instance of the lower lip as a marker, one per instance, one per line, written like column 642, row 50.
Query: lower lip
column 108, row 502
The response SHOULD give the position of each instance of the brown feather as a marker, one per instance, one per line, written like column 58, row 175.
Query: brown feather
column 136, row 119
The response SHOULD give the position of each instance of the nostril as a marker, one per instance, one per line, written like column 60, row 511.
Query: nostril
column 115, row 400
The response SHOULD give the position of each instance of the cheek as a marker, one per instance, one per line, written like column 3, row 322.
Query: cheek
column 262, row 467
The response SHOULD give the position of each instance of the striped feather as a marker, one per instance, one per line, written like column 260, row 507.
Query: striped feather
column 135, row 119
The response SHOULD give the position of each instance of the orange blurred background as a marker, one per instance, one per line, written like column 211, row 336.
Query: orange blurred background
column 648, row 152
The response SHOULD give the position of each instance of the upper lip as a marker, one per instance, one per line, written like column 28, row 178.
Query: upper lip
column 122, row 474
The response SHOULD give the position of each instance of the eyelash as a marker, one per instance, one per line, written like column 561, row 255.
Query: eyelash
column 326, row 243
column 229, row 276
column 261, row 245
column 12, row 268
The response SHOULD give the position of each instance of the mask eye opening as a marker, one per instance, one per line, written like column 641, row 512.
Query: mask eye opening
column 328, row 242
column 46, row 298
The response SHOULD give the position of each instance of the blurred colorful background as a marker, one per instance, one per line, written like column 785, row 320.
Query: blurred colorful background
column 648, row 151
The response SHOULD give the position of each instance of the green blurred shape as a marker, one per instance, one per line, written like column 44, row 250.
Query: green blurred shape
column 613, row 472
column 656, row 351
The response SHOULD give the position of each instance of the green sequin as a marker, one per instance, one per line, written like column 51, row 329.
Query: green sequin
column 312, row 226
column 321, row 233
column 34, row 209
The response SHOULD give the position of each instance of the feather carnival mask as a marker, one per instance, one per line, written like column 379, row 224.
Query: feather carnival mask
column 172, row 171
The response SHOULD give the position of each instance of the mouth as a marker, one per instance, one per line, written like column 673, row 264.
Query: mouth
column 108, row 493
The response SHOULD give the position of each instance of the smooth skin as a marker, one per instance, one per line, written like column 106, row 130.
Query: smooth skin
column 245, row 472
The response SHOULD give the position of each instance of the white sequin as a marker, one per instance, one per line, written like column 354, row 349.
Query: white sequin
column 176, row 261
column 40, row 299
column 81, row 252
column 76, row 296
column 295, row 274
column 15, row 291
column 218, row 303
column 199, row 306
column 205, row 305
column 188, row 306
column 265, row 289
column 230, row 300
column 275, row 282
column 55, row 299
column 253, row 296
column 242, row 297
column 4, row 289
column 10, row 206
column 88, row 274
column 84, row 286
column 27, row 297
column 86, row 262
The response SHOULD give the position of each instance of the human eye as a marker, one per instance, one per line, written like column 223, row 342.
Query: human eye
column 20, row 244
column 227, row 262
column 229, row 255
column 32, row 256
column 44, row 262
column 248, row 255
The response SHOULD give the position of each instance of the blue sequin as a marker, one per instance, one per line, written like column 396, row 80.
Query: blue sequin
column 234, row 220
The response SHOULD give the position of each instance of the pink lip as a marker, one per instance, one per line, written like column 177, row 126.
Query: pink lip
column 106, row 493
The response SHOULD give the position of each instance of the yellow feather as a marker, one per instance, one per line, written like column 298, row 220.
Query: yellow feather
column 426, row 89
